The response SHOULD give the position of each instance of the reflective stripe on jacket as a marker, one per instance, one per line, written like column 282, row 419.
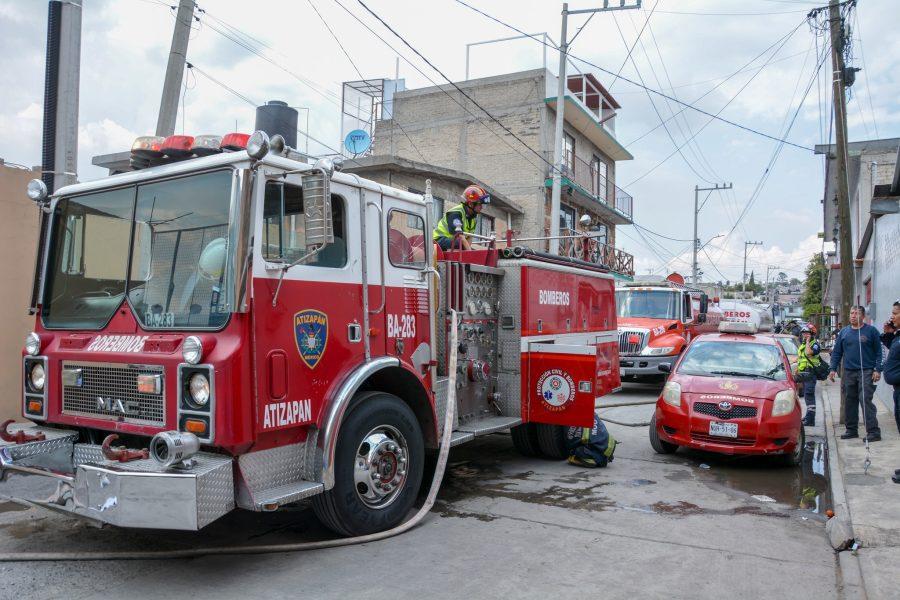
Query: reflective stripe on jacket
column 805, row 362
column 444, row 228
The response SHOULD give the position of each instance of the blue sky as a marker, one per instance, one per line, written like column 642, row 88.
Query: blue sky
column 689, row 49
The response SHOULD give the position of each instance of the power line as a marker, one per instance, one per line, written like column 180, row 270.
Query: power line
column 630, row 50
column 661, row 235
column 634, row 83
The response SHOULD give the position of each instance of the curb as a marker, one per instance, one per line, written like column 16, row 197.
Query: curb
column 851, row 583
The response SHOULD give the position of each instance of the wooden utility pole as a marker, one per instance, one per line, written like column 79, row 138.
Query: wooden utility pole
column 168, row 105
column 836, row 27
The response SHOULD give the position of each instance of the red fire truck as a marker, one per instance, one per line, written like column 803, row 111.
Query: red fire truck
column 229, row 326
column 657, row 320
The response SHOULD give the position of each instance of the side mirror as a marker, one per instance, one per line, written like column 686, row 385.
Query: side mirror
column 701, row 317
column 317, row 206
column 664, row 367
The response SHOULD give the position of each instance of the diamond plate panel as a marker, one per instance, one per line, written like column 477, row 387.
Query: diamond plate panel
column 440, row 402
column 510, row 394
column 88, row 454
column 215, row 489
column 57, row 440
column 273, row 467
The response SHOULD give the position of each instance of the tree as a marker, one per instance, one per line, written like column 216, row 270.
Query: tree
column 794, row 281
column 812, row 286
column 782, row 277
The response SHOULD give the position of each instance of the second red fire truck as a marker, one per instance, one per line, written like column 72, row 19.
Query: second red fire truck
column 228, row 326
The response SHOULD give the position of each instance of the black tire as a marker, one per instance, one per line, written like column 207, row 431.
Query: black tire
column 525, row 439
column 342, row 508
column 552, row 440
column 795, row 458
column 660, row 446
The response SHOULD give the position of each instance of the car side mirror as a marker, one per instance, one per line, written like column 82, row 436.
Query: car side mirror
column 701, row 317
column 664, row 367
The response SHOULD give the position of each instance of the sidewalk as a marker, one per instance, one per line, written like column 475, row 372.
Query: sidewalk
column 870, row 501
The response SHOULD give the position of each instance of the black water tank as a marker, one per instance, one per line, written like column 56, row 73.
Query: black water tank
column 277, row 118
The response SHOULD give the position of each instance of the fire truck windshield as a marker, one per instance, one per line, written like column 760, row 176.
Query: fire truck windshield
column 177, row 241
column 647, row 304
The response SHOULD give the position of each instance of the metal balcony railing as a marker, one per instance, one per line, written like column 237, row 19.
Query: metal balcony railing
column 594, row 251
column 591, row 180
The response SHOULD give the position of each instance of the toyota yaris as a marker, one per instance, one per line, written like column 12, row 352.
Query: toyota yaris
column 731, row 392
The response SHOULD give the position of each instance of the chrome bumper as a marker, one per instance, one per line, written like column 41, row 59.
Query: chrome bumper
column 644, row 365
column 139, row 493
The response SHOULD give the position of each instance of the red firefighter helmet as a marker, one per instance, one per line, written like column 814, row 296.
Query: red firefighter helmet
column 474, row 194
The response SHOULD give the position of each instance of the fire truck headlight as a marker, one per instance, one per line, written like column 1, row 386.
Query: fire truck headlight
column 32, row 344
column 657, row 351
column 671, row 393
column 192, row 350
column 36, row 190
column 37, row 377
column 784, row 403
column 258, row 145
column 198, row 386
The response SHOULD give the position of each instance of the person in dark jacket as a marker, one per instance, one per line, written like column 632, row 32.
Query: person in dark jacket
column 858, row 348
column 891, row 340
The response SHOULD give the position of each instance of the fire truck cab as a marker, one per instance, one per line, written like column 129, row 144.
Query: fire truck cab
column 657, row 320
column 234, row 327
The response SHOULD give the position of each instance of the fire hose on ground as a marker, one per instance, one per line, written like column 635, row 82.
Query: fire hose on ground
column 620, row 404
column 295, row 547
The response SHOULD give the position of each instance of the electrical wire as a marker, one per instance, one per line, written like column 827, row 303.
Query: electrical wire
column 633, row 44
column 634, row 83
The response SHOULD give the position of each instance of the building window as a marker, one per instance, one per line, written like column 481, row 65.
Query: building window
column 566, row 219
column 569, row 152
column 484, row 225
column 599, row 180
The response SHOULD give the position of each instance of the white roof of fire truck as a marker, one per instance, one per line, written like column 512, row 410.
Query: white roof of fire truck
column 226, row 159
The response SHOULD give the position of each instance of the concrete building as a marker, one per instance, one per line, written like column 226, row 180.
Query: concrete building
column 441, row 127
column 874, row 178
column 19, row 232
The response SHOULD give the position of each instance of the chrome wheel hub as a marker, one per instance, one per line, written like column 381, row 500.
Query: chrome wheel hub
column 379, row 470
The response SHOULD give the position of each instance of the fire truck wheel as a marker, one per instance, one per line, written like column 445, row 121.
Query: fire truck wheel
column 552, row 440
column 378, row 468
column 661, row 446
column 525, row 439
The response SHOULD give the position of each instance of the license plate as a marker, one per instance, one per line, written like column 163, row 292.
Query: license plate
column 723, row 429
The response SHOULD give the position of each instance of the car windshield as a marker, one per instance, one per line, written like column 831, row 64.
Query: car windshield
column 789, row 345
column 648, row 304
column 176, row 234
column 733, row 359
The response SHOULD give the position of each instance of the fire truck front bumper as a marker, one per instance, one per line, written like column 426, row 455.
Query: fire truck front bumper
column 75, row 479
column 643, row 366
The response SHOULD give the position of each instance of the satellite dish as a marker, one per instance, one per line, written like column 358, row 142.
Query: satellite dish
column 358, row 141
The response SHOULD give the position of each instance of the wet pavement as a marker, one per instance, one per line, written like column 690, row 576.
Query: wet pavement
column 503, row 526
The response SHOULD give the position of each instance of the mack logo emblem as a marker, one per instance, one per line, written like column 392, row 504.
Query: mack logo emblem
column 117, row 406
column 725, row 405
column 311, row 335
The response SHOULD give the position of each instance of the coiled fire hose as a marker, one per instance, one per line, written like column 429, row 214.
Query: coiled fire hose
column 297, row 547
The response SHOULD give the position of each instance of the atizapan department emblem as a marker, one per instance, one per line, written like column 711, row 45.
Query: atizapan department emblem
column 311, row 335
column 728, row 385
column 555, row 389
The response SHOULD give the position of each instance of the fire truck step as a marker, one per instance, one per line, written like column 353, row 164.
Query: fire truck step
column 272, row 498
column 461, row 437
column 488, row 425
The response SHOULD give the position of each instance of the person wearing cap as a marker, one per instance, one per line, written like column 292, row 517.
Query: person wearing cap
column 807, row 360
column 461, row 220
column 891, row 340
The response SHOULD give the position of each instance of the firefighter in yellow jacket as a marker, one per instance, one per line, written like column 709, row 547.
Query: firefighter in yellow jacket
column 461, row 220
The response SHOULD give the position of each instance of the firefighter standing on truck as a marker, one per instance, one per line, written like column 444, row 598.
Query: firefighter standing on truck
column 461, row 220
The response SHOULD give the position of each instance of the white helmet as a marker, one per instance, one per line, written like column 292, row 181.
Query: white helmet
column 212, row 260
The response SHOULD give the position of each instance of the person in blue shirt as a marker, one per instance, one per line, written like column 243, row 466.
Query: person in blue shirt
column 891, row 340
column 858, row 348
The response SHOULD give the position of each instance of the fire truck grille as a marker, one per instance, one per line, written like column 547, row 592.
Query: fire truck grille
column 110, row 391
column 632, row 341
column 713, row 410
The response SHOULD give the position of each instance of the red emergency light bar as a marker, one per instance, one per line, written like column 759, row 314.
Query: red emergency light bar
column 178, row 146
column 148, row 146
column 235, row 141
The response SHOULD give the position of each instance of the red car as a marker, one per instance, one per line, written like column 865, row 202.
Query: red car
column 731, row 392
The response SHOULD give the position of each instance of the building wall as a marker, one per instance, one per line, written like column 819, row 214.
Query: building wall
column 18, row 230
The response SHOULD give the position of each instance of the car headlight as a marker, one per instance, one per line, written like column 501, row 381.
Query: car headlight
column 657, row 350
column 192, row 350
column 784, row 403
column 37, row 377
column 671, row 393
column 198, row 387
column 32, row 344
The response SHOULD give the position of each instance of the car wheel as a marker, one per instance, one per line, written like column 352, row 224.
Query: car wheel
column 378, row 468
column 659, row 445
column 795, row 458
column 525, row 439
column 552, row 440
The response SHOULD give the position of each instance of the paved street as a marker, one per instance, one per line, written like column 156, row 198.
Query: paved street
column 505, row 526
